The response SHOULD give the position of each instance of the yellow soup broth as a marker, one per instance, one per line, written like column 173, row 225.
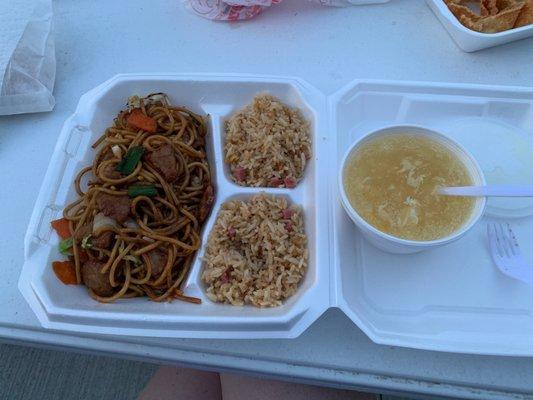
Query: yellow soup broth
column 391, row 182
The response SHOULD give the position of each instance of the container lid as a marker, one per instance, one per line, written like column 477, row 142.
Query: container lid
column 505, row 156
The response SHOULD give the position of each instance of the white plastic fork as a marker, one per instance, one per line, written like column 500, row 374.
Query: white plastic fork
column 506, row 253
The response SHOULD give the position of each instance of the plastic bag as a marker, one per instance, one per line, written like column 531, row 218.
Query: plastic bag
column 234, row 10
column 29, row 72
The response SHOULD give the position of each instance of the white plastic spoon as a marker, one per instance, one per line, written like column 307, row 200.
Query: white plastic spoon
column 489, row 190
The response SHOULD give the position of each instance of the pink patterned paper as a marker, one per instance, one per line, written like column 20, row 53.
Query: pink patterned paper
column 234, row 10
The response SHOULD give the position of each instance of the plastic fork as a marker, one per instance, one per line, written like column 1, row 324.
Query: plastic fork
column 506, row 253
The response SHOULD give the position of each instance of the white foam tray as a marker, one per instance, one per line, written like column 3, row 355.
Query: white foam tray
column 469, row 40
column 449, row 299
column 69, row 307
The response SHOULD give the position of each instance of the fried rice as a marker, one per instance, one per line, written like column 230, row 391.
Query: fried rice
column 267, row 144
column 256, row 252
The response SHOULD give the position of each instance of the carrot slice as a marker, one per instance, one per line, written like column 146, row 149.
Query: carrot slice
column 65, row 272
column 61, row 227
column 140, row 121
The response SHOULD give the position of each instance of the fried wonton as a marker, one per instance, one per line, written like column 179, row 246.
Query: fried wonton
column 526, row 16
column 493, row 16
column 488, row 7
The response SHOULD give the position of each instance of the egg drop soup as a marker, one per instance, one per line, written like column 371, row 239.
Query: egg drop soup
column 392, row 181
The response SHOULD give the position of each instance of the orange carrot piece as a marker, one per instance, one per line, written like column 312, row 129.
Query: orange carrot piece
column 140, row 121
column 65, row 272
column 61, row 227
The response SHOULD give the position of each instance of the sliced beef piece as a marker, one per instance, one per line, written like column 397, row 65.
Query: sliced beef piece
column 116, row 207
column 163, row 160
column 110, row 172
column 82, row 255
column 93, row 279
column 206, row 203
column 158, row 259
column 83, row 231
column 104, row 240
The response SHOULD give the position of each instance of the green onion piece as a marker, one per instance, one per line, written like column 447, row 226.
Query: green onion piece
column 130, row 160
column 142, row 190
column 86, row 242
column 65, row 245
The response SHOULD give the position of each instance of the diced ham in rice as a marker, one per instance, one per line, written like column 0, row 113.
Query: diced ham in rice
column 287, row 213
column 276, row 182
column 239, row 173
column 289, row 182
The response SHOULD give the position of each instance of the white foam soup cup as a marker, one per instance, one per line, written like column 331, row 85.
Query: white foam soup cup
column 393, row 244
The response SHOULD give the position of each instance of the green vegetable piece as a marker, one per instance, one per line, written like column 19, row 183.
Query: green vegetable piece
column 86, row 242
column 127, row 165
column 65, row 245
column 142, row 190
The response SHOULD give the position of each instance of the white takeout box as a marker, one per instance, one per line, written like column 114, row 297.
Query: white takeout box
column 469, row 40
column 449, row 299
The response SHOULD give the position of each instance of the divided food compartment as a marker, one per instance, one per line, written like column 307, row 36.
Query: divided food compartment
column 69, row 307
column 469, row 40
column 451, row 298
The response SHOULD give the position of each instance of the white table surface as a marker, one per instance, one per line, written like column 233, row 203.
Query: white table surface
column 326, row 46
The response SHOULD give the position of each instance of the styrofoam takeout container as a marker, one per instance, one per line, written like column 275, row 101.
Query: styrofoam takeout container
column 70, row 308
column 469, row 40
column 393, row 244
column 449, row 299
